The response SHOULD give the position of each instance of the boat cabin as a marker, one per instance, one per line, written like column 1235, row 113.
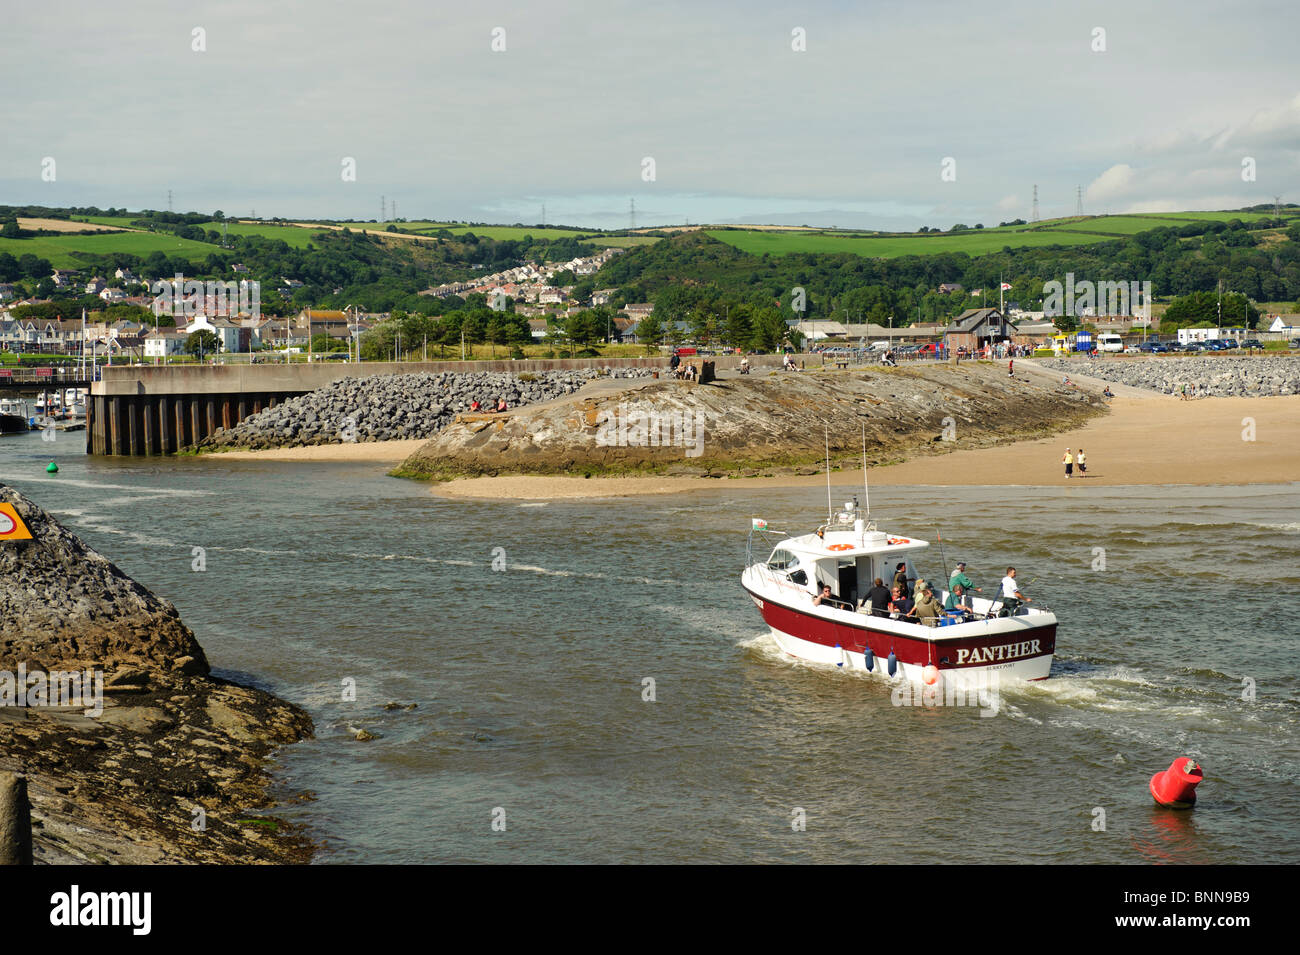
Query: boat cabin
column 848, row 553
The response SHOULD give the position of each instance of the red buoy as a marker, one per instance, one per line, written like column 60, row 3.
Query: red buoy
column 1175, row 788
column 930, row 674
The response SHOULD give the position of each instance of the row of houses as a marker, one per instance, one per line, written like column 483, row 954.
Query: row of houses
column 973, row 328
column 528, row 281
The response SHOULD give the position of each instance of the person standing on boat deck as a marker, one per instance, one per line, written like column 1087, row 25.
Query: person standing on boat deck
column 878, row 598
column 1068, row 461
column 900, row 579
column 927, row 607
column 1011, row 595
column 959, row 579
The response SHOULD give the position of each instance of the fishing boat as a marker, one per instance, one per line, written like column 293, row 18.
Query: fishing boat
column 13, row 415
column 848, row 552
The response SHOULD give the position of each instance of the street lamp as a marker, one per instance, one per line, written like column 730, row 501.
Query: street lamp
column 353, row 330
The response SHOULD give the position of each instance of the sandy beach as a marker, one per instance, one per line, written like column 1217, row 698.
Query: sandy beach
column 1146, row 439
column 366, row 452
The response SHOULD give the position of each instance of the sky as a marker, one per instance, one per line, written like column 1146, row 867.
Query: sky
column 883, row 115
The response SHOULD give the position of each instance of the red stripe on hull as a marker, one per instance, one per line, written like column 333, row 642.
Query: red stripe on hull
column 914, row 650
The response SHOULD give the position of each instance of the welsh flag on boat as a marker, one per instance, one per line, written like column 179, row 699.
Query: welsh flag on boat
column 759, row 524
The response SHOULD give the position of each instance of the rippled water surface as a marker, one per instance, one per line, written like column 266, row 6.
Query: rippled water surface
column 529, row 681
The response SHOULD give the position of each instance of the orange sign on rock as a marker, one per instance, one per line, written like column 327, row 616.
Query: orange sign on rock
column 12, row 527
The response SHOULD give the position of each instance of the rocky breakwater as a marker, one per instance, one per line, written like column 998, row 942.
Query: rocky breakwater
column 133, row 752
column 1215, row 376
column 759, row 424
column 394, row 407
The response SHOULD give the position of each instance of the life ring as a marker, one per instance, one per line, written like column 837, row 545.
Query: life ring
column 840, row 547
column 899, row 540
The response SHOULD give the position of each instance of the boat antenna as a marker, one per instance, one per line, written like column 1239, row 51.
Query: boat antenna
column 939, row 538
column 830, row 508
column 866, row 491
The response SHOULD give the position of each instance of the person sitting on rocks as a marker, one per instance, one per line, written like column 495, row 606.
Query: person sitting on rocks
column 501, row 405
column 475, row 406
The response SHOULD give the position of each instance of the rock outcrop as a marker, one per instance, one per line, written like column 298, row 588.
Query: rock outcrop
column 758, row 422
column 63, row 604
column 132, row 752
column 1218, row 376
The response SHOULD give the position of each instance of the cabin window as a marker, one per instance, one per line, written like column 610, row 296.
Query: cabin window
column 782, row 560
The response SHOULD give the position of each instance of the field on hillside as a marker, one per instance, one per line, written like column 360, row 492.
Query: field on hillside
column 294, row 236
column 1121, row 225
column 1220, row 216
column 975, row 242
column 120, row 222
column 1074, row 230
column 59, row 249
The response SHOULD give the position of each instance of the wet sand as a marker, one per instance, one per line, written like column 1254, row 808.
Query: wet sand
column 1146, row 440
column 375, row 452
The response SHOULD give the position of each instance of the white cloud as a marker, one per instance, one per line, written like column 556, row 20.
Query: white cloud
column 1114, row 182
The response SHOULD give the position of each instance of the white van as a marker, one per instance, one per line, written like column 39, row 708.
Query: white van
column 1110, row 342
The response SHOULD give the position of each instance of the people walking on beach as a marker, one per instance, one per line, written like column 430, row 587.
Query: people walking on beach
column 1011, row 368
column 1183, row 393
column 1068, row 461
column 1011, row 595
column 1083, row 466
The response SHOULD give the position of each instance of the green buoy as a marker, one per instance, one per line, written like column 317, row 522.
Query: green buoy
column 51, row 468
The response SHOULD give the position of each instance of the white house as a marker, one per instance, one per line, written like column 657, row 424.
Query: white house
column 1286, row 325
column 162, row 342
column 1186, row 335
column 223, row 328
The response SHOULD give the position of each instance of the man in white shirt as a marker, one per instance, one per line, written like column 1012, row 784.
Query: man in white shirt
column 1011, row 595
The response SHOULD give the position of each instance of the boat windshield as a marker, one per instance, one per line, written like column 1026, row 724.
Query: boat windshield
column 782, row 560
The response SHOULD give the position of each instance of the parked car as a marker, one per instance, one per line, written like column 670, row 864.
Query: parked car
column 1294, row 343
column 1252, row 343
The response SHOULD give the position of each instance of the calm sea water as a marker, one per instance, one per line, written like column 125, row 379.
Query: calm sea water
column 529, row 681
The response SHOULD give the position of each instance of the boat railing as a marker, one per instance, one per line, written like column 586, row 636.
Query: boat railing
column 993, row 606
column 846, row 521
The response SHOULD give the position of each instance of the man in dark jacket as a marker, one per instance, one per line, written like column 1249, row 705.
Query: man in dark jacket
column 878, row 599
